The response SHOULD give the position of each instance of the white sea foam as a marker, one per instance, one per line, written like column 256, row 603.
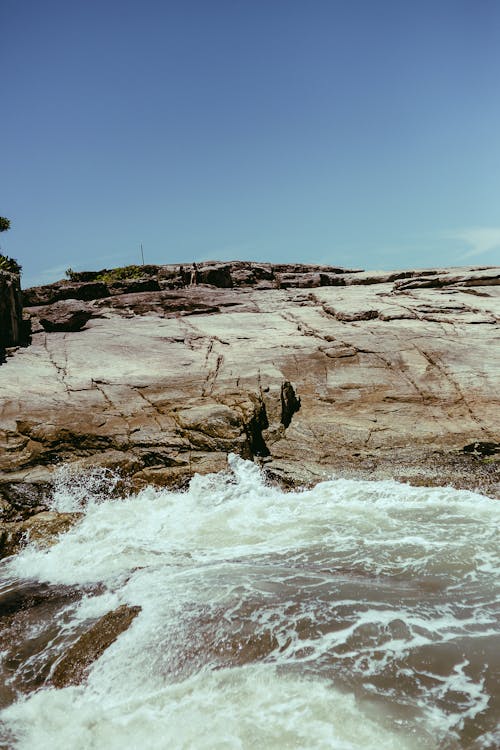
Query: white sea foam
column 247, row 708
column 308, row 605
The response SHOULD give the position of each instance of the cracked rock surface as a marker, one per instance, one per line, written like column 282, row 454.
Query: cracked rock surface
column 307, row 370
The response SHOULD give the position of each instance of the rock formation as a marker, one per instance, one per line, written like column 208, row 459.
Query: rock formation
column 42, row 529
column 309, row 370
column 11, row 318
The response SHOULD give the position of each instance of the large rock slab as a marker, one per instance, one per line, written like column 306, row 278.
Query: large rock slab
column 373, row 379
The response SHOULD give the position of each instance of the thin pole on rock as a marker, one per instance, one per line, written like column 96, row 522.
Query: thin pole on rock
column 142, row 254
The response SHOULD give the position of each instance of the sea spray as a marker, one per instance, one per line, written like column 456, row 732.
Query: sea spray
column 351, row 615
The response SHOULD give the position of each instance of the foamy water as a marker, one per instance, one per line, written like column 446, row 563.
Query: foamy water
column 353, row 615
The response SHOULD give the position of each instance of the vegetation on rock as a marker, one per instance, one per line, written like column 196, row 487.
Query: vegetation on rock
column 9, row 264
column 108, row 276
column 6, row 263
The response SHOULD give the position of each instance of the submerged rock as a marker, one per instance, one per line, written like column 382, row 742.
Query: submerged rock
column 72, row 668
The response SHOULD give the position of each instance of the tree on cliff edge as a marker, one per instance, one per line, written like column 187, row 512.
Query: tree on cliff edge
column 6, row 263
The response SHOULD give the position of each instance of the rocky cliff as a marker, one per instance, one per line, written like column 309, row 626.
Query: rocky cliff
column 308, row 370
column 11, row 321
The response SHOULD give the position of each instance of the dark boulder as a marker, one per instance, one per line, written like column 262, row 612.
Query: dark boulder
column 216, row 275
column 66, row 315
column 11, row 318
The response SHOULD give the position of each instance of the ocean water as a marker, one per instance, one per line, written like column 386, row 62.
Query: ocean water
column 354, row 615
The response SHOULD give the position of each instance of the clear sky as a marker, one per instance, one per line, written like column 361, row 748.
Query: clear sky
column 354, row 132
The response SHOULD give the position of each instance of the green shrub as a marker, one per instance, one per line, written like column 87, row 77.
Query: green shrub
column 4, row 224
column 110, row 275
column 119, row 274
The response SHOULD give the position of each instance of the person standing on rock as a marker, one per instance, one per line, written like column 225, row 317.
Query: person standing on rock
column 194, row 275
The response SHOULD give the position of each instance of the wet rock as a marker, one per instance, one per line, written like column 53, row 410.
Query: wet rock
column 26, row 595
column 41, row 529
column 23, row 499
column 30, row 629
column 72, row 669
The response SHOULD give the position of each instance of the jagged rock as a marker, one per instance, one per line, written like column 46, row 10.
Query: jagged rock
column 41, row 529
column 20, row 499
column 11, row 317
column 72, row 668
column 221, row 275
column 66, row 315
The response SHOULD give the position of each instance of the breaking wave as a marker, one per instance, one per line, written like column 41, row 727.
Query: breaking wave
column 353, row 615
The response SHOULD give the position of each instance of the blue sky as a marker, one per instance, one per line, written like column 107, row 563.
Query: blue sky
column 364, row 133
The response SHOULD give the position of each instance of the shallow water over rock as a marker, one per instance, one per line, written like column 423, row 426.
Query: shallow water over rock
column 353, row 615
